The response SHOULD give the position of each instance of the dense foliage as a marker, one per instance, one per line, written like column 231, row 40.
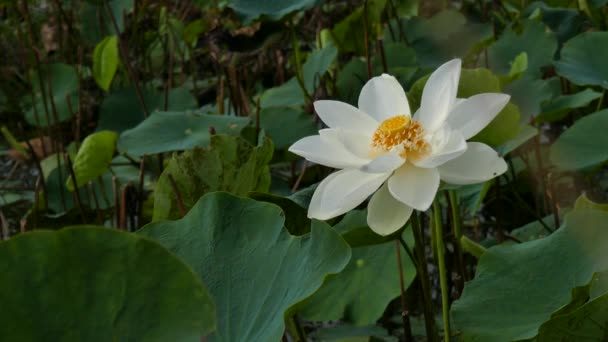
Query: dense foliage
column 148, row 193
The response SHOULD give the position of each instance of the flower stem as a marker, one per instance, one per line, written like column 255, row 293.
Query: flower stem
column 423, row 278
column 443, row 276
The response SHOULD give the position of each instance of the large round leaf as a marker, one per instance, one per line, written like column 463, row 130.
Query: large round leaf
column 275, row 120
column 434, row 43
column 518, row 287
column 121, row 109
column 589, row 320
column 254, row 268
column 584, row 59
column 176, row 131
column 98, row 284
column 536, row 41
column 583, row 144
column 250, row 10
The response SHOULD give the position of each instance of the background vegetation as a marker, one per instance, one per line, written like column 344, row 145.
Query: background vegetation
column 176, row 116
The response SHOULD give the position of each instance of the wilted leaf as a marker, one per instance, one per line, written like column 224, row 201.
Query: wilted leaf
column 228, row 164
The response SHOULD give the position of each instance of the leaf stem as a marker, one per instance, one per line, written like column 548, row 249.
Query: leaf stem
column 599, row 102
column 443, row 276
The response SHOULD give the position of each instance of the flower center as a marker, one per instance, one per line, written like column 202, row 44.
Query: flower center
column 402, row 132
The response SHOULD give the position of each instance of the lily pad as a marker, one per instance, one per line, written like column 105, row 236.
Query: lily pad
column 435, row 44
column 228, row 164
column 560, row 106
column 254, row 268
column 348, row 295
column 496, row 307
column 250, row 10
column 535, row 40
column 582, row 59
column 64, row 83
column 95, row 22
column 275, row 120
column 528, row 94
column 176, row 131
column 582, row 145
column 98, row 284
column 290, row 93
column 121, row 109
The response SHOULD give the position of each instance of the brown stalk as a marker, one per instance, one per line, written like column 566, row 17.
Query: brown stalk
column 178, row 196
column 97, row 210
column 76, row 193
column 122, row 47
column 407, row 326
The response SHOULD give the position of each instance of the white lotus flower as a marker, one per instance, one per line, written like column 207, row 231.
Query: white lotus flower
column 383, row 151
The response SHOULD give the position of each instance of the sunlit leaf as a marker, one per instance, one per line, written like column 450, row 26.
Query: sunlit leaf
column 105, row 61
column 93, row 158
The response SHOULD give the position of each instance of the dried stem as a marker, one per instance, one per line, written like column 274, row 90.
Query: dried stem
column 122, row 47
column 178, row 196
column 96, row 201
column 407, row 326
column 76, row 193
